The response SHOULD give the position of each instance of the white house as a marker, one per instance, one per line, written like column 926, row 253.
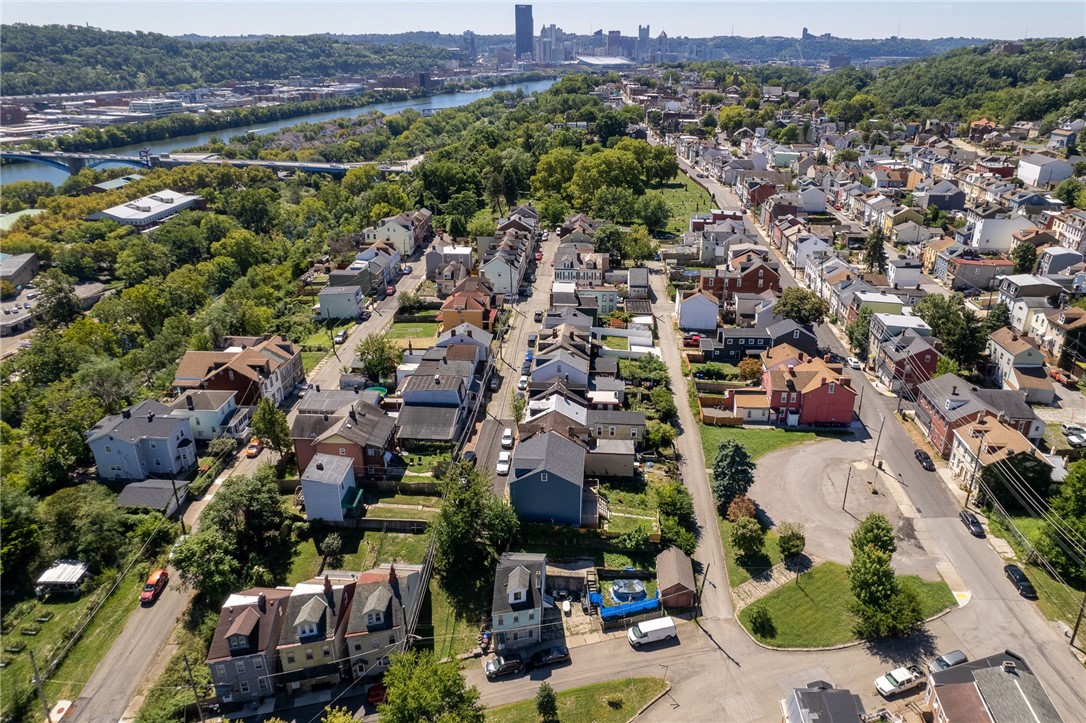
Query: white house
column 505, row 272
column 1024, row 313
column 327, row 484
column 212, row 413
column 804, row 247
column 996, row 235
column 142, row 441
column 341, row 302
column 562, row 366
column 1041, row 170
column 698, row 312
column 814, row 200
column 903, row 273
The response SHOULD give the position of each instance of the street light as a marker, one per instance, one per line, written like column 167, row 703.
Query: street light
column 878, row 438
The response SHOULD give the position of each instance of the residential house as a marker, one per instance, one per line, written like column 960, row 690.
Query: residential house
column 970, row 272
column 165, row 496
column 436, row 398
column 997, row 688
column 932, row 249
column 944, row 195
column 887, row 326
column 440, row 255
column 996, row 235
column 1057, row 260
column 212, row 414
column 1061, row 339
column 1014, row 363
column 879, row 302
column 809, row 393
column 378, row 626
column 329, row 488
column 142, row 441
column 902, row 273
column 561, row 365
column 341, row 302
column 904, row 361
column 504, row 264
column 516, row 612
column 638, row 283
column 616, row 424
column 1041, row 170
column 822, row 703
column 1070, row 229
column 1021, row 286
column 805, row 247
column 948, row 402
column 242, row 656
column 382, row 260
column 733, row 345
column 472, row 302
column 580, row 267
column 675, row 579
column 357, row 430
column 253, row 368
column 546, row 480
column 448, row 277
column 697, row 311
column 312, row 638
column 1024, row 312
column 406, row 231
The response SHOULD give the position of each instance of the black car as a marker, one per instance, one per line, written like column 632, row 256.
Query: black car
column 924, row 459
column 503, row 665
column 550, row 656
column 1020, row 581
column 469, row 456
column 971, row 523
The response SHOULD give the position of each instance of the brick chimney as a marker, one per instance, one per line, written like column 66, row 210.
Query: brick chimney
column 392, row 574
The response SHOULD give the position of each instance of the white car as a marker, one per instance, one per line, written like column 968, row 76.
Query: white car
column 1073, row 429
column 854, row 363
column 1076, row 440
column 504, row 460
column 900, row 680
column 522, row 384
column 507, row 438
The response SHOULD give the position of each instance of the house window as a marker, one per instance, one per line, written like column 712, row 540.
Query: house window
column 290, row 657
column 832, row 387
column 154, row 445
column 501, row 620
column 383, row 662
column 327, row 651
column 376, row 644
column 543, row 477
column 220, row 669
column 531, row 633
column 108, row 450
column 611, row 430
column 927, row 357
column 518, row 596
column 158, row 463
column 309, row 655
column 375, row 618
column 795, row 334
column 729, row 342
column 342, row 451
column 531, row 614
column 391, row 639
column 244, row 686
column 258, row 664
column 263, row 683
column 239, row 665
column 794, row 395
column 516, row 619
column 742, row 341
column 357, row 646
column 633, row 432
column 784, row 396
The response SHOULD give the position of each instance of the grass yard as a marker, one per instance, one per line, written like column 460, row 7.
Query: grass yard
column 613, row 702
column 361, row 551
column 634, row 498
column 321, row 340
column 403, row 330
column 757, row 441
column 685, row 198
column 742, row 569
column 394, row 499
column 621, row 523
column 618, row 343
column 385, row 512
column 310, row 359
column 812, row 612
column 450, row 634
column 1056, row 600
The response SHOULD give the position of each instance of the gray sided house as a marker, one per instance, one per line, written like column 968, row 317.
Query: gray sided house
column 142, row 441
column 242, row 656
column 517, row 608
column 378, row 624
column 547, row 479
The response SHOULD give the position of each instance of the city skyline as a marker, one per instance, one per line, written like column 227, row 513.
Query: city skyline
column 963, row 18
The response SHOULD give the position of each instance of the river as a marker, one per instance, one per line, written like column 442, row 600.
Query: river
column 41, row 172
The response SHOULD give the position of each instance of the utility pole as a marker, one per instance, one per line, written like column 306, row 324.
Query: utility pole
column 195, row 693
column 878, row 438
column 976, row 469
column 177, row 501
column 847, row 480
column 37, row 683
column 1078, row 620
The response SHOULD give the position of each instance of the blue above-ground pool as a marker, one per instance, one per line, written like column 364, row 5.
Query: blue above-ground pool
column 624, row 591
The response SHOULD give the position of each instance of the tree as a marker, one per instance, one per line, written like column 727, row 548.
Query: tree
column 269, row 423
column 674, row 534
column 674, row 500
column 553, row 173
column 419, row 688
column 733, row 472
column 790, row 539
column 205, row 563
column 874, row 531
column 553, row 211
column 606, row 168
column 998, row 317
column 57, row 303
column 1067, row 191
column 901, row 614
column 946, row 365
column 871, row 577
column 664, row 404
column 20, row 537
column 332, row 549
column 742, row 506
column 859, row 332
column 750, row 369
column 802, row 306
column 658, row 435
column 875, row 251
column 8, row 290
column 220, row 447
column 379, row 356
column 747, row 537
column 653, row 211
column 1024, row 256
column 337, row 715
column 761, row 621
column 546, row 703
column 1068, row 507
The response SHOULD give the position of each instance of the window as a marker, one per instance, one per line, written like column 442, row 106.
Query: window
column 518, row 596
column 383, row 662
column 729, row 342
column 290, row 657
column 391, row 639
column 516, row 619
column 326, row 650
column 543, row 477
column 742, row 341
column 375, row 618
column 531, row 614
column 784, row 396
column 795, row 334
column 244, row 686
column 633, row 432
column 220, row 669
column 611, row 431
column 794, row 396
column 154, row 445
column 501, row 620
column 342, row 451
column 239, row 666
column 158, row 462
column 927, row 357
column 832, row 387
column 309, row 655
column 376, row 644
column 258, row 663
column 357, row 646
column 108, row 450
column 531, row 633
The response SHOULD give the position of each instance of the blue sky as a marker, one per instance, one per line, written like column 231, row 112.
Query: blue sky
column 854, row 19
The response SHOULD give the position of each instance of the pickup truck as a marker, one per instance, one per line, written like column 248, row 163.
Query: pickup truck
column 900, row 681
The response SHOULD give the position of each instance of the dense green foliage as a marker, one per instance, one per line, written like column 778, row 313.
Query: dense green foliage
column 419, row 688
column 59, row 58
column 733, row 472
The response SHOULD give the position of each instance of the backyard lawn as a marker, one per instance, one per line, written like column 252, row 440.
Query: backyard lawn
column 813, row 611
column 742, row 569
column 685, row 198
column 310, row 359
column 615, row 701
column 757, row 441
column 321, row 340
column 450, row 634
column 618, row 343
column 403, row 330
column 361, row 551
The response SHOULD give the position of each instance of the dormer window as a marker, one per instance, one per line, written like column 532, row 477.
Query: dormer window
column 518, row 596
column 375, row 618
column 306, row 629
column 238, row 642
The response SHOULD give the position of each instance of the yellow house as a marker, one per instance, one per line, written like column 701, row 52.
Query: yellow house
column 899, row 216
column 311, row 641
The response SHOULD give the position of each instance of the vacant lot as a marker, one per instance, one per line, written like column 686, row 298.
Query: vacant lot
column 616, row 701
column 756, row 441
column 403, row 330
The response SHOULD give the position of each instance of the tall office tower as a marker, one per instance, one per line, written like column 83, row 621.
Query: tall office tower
column 525, row 30
column 643, row 34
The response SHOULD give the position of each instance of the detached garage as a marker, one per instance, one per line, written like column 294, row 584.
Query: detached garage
column 675, row 577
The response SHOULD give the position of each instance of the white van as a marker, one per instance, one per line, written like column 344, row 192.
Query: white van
column 651, row 631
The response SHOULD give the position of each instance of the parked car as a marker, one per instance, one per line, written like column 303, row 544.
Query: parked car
column 507, row 438
column 1020, row 581
column 469, row 457
column 924, row 459
column 538, row 316
column 971, row 293
column 341, row 336
column 407, row 270
column 1076, row 440
column 154, row 586
column 506, row 664
column 948, row 660
column 254, row 448
column 971, row 523
column 854, row 363
column 538, row 255
column 495, row 383
column 532, row 339
column 505, row 459
column 526, row 368
column 390, row 290
column 377, row 692
column 899, row 680
column 303, row 389
column 651, row 631
column 529, row 355
column 692, row 340
column 550, row 656
column 1070, row 429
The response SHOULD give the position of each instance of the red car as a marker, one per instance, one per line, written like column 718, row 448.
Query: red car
column 692, row 340
column 154, row 586
column 538, row 256
column 377, row 694
column 390, row 290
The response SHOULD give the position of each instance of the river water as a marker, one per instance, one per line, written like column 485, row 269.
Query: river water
column 41, row 172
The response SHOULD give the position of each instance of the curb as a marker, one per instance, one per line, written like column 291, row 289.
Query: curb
column 651, row 703
column 842, row 646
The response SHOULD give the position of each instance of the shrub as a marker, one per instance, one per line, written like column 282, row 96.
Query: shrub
column 635, row 540
column 546, row 703
column 615, row 702
column 901, row 615
column 740, row 508
column 791, row 539
column 761, row 621
column 747, row 537
column 674, row 534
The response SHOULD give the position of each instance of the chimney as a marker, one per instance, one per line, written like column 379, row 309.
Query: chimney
column 469, row 334
column 1009, row 668
column 325, row 416
column 1014, row 337
column 353, row 415
column 981, row 418
column 437, row 379
column 189, row 403
column 262, row 602
column 318, row 388
column 392, row 574
column 954, row 390
column 150, row 416
column 126, row 414
column 327, row 587
column 357, row 389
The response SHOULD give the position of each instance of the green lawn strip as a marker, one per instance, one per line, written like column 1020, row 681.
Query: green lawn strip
column 615, row 701
column 1055, row 600
column 741, row 570
column 361, row 551
column 395, row 499
column 439, row 623
column 619, row 343
column 310, row 359
column 813, row 611
column 415, row 479
column 685, row 198
column 757, row 441
column 635, row 499
column 413, row 330
column 621, row 523
column 386, row 512
column 622, row 560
